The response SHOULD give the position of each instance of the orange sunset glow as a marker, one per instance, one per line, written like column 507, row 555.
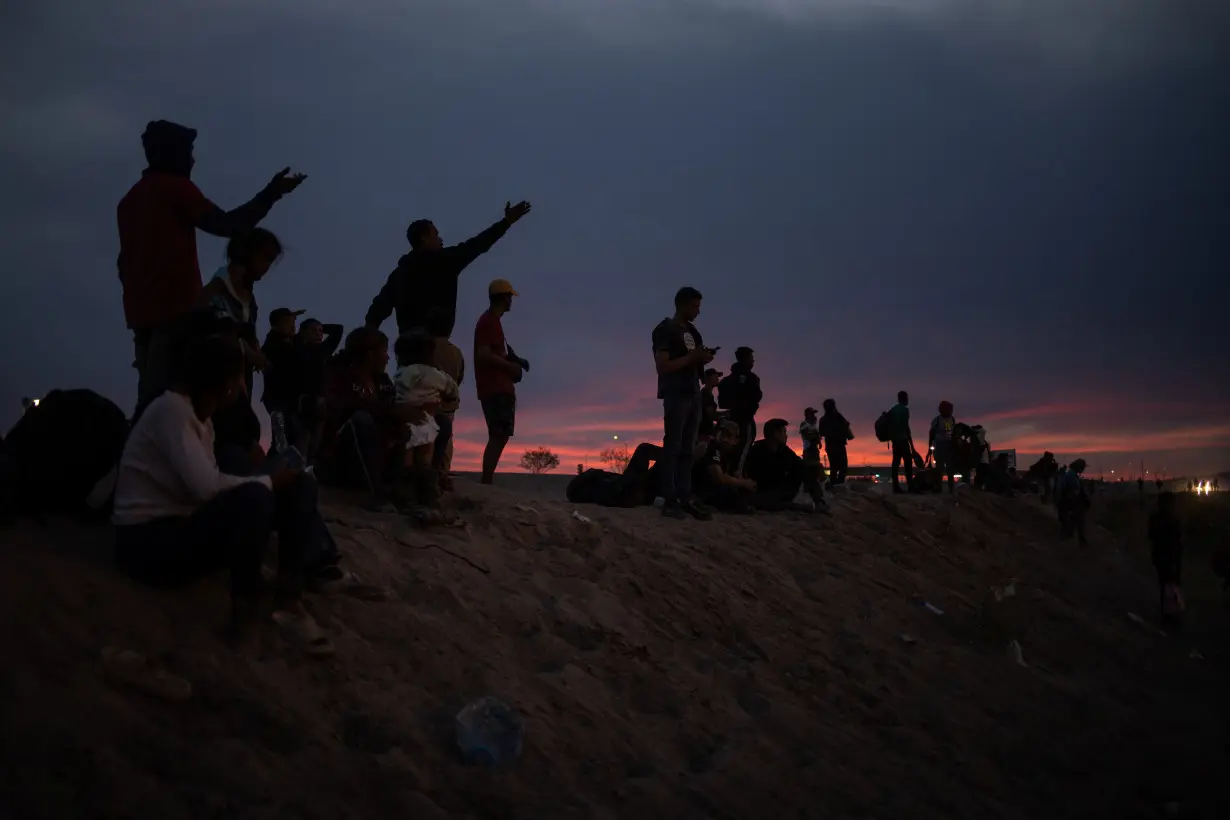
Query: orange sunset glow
column 578, row 435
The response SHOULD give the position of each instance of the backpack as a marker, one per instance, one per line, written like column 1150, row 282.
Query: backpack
column 606, row 489
column 62, row 448
column 726, row 392
column 884, row 427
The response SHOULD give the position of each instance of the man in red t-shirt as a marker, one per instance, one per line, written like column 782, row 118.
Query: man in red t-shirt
column 158, row 220
column 496, row 372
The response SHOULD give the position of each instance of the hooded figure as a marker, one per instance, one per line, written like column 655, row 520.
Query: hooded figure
column 158, row 267
column 168, row 148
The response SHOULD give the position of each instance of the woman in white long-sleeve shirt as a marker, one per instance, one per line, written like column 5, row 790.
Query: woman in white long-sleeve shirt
column 178, row 517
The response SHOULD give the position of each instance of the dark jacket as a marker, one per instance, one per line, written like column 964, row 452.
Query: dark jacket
column 744, row 394
column 773, row 468
column 835, row 430
column 314, row 361
column 284, row 378
column 426, row 280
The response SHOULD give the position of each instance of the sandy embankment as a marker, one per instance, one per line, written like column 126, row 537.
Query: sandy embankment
column 746, row 668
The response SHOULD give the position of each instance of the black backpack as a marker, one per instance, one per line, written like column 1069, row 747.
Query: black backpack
column 62, row 448
column 884, row 426
column 606, row 489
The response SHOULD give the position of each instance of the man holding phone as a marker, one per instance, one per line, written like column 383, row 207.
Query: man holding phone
column 680, row 357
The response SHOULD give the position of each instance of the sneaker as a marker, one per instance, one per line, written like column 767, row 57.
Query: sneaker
column 697, row 510
column 672, row 509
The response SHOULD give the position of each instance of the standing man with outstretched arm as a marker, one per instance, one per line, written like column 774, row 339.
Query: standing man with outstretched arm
column 158, row 220
column 680, row 357
column 426, row 278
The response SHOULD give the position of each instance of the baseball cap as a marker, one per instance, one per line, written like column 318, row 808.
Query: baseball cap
column 809, row 411
column 280, row 314
column 501, row 287
column 712, row 372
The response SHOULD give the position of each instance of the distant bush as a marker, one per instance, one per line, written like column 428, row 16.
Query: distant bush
column 539, row 460
column 615, row 458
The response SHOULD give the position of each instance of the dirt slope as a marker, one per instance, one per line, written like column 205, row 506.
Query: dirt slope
column 745, row 668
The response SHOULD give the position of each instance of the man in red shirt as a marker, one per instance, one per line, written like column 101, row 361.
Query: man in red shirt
column 158, row 219
column 496, row 372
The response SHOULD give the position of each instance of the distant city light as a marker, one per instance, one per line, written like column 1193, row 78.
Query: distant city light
column 616, row 438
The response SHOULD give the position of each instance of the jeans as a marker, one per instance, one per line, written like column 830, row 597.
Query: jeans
column 903, row 451
column 747, row 437
column 364, row 456
column 296, row 515
column 839, row 463
column 943, row 464
column 229, row 531
column 152, row 353
column 681, row 420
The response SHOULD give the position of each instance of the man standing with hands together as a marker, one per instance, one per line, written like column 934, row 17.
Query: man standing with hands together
column 680, row 357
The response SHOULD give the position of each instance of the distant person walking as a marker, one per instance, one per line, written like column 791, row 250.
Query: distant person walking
column 158, row 219
column 740, row 393
column 1073, row 502
column 836, row 432
column 939, row 440
column 680, row 357
column 425, row 279
column 902, row 442
column 496, row 375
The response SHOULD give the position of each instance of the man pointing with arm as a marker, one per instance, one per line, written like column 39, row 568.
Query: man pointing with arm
column 425, row 279
column 158, row 219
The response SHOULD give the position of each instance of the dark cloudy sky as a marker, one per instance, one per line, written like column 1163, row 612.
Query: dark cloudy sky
column 1020, row 207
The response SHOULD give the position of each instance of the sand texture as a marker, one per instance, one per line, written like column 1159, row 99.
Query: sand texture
column 752, row 667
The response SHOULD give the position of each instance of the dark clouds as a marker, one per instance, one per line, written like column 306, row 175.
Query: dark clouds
column 1011, row 210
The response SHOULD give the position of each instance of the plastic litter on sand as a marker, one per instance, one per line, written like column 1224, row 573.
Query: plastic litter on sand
column 581, row 518
column 1016, row 654
column 489, row 733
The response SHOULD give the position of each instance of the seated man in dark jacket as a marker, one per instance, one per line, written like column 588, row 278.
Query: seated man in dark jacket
column 712, row 482
column 777, row 470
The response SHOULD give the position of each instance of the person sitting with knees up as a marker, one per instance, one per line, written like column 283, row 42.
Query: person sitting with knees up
column 710, row 481
column 420, row 385
column 363, row 444
column 178, row 517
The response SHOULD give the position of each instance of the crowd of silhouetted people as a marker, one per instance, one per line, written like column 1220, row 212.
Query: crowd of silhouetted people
column 193, row 489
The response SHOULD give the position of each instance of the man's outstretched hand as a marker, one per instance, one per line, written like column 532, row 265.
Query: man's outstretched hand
column 514, row 212
column 284, row 182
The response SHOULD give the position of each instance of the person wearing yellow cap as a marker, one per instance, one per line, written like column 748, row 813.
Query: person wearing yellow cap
column 496, row 373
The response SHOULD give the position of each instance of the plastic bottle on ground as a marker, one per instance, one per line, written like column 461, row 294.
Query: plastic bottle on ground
column 489, row 733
